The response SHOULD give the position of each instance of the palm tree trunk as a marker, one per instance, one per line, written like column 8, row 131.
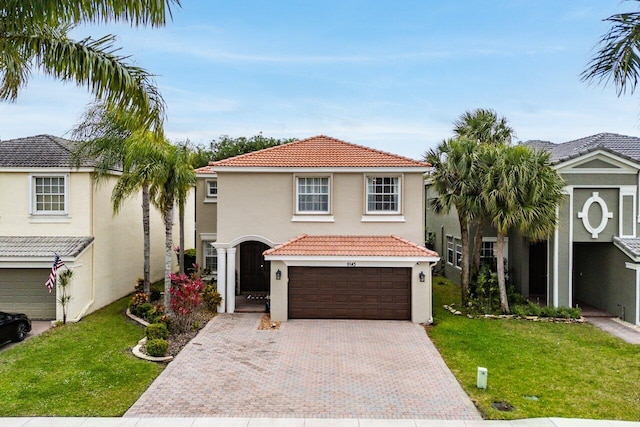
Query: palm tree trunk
column 504, row 302
column 168, row 243
column 464, row 274
column 181, row 244
column 477, row 246
column 146, row 226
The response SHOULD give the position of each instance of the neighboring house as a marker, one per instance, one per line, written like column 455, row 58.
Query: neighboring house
column 49, row 206
column 330, row 229
column 594, row 256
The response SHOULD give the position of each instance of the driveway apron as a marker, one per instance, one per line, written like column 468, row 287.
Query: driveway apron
column 307, row 369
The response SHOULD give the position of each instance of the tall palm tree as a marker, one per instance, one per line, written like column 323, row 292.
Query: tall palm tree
column 618, row 57
column 483, row 126
column 454, row 178
column 35, row 34
column 103, row 135
column 174, row 178
column 520, row 191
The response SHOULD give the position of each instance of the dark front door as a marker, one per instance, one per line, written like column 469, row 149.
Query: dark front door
column 254, row 270
column 538, row 268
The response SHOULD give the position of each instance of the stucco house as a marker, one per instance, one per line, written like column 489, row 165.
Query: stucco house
column 593, row 258
column 328, row 228
column 49, row 206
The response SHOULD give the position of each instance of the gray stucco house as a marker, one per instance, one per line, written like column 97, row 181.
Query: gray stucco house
column 594, row 255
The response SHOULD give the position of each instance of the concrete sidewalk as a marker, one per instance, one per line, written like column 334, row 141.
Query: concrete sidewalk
column 301, row 422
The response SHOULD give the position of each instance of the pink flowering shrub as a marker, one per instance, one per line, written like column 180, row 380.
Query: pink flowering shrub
column 185, row 297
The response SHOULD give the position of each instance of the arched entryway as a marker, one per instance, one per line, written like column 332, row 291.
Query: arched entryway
column 254, row 270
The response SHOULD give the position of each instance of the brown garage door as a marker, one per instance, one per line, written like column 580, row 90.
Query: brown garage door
column 349, row 293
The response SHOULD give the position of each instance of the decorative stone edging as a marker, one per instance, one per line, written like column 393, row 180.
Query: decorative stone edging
column 456, row 312
column 136, row 350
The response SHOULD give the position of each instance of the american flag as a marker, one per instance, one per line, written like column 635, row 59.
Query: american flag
column 51, row 281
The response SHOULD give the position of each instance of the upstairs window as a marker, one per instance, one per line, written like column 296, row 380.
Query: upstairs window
column 312, row 195
column 212, row 189
column 49, row 195
column 383, row 195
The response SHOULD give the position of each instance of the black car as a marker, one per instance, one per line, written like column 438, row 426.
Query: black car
column 13, row 327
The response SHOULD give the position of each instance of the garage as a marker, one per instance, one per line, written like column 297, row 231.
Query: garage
column 381, row 293
column 23, row 290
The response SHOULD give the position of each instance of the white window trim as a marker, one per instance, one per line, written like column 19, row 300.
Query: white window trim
column 457, row 242
column 505, row 245
column 453, row 250
column 368, row 212
column 208, row 197
column 32, row 195
column 313, row 216
column 204, row 257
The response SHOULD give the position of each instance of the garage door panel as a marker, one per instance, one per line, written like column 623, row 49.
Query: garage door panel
column 23, row 290
column 349, row 293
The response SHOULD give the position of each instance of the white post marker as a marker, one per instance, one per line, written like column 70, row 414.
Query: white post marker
column 482, row 378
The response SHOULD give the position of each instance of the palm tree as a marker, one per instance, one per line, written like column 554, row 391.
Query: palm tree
column 36, row 34
column 618, row 56
column 520, row 191
column 485, row 128
column 174, row 177
column 103, row 135
column 454, row 178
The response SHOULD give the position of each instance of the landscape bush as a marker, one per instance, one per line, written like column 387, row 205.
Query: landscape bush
column 185, row 298
column 211, row 297
column 157, row 331
column 157, row 347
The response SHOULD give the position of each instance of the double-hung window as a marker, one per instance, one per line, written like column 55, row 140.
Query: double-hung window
column 212, row 189
column 210, row 258
column 458, row 253
column 49, row 195
column 450, row 252
column 312, row 195
column 383, row 194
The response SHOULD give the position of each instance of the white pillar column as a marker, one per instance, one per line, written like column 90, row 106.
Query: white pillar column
column 231, row 280
column 222, row 275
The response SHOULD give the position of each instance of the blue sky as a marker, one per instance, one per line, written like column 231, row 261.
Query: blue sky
column 390, row 75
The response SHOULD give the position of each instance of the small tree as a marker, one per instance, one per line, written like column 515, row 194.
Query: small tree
column 64, row 280
column 185, row 298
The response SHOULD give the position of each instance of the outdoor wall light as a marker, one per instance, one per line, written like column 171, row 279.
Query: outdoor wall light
column 278, row 274
column 421, row 276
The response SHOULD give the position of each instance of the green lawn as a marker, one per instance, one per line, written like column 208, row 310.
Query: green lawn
column 574, row 370
column 82, row 369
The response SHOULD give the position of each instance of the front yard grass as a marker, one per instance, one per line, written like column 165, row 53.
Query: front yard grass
column 82, row 369
column 541, row 369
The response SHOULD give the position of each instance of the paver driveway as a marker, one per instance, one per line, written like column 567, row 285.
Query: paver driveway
column 307, row 369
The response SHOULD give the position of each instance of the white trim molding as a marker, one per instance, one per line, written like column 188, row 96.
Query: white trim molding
column 636, row 267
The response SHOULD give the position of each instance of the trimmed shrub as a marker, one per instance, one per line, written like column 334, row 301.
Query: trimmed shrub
column 211, row 297
column 185, row 297
column 143, row 310
column 157, row 347
column 137, row 299
column 157, row 330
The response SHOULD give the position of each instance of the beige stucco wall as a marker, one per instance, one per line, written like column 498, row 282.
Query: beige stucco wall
column 15, row 219
column 206, row 217
column 279, row 292
column 262, row 204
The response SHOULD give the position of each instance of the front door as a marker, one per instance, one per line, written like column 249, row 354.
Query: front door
column 254, row 270
column 538, row 268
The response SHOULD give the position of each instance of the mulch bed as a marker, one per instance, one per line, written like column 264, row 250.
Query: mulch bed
column 267, row 324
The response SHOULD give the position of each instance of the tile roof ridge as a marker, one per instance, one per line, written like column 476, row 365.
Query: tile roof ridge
column 251, row 153
column 375, row 150
column 417, row 246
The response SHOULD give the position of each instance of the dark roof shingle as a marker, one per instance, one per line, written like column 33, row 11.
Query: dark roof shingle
column 622, row 145
column 40, row 151
column 42, row 246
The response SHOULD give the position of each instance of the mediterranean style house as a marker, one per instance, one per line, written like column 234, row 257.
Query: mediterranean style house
column 50, row 207
column 327, row 228
column 593, row 258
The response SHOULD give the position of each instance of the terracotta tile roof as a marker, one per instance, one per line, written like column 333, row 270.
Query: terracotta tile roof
column 365, row 246
column 205, row 169
column 319, row 151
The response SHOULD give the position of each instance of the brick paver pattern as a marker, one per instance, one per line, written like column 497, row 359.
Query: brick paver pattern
column 307, row 369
